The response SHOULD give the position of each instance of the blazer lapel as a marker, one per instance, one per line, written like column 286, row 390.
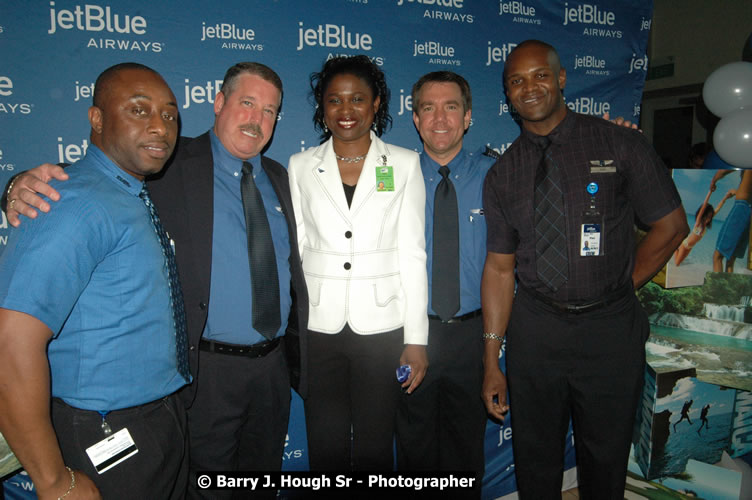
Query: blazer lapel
column 326, row 173
column 378, row 155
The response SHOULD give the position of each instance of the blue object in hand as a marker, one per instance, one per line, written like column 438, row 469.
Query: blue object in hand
column 403, row 372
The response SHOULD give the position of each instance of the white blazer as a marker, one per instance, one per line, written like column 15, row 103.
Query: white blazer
column 366, row 264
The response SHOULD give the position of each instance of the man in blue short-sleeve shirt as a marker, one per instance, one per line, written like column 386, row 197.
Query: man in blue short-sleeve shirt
column 87, row 288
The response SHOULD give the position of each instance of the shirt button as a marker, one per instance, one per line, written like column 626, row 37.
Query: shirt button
column 202, row 305
column 347, row 266
column 348, row 234
column 192, row 348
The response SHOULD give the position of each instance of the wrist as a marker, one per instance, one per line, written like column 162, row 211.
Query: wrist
column 72, row 483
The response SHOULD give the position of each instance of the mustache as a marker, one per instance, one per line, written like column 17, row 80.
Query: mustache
column 253, row 127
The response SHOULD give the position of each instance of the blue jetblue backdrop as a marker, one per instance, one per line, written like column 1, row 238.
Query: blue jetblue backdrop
column 54, row 50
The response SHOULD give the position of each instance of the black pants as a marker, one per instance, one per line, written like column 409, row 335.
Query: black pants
column 352, row 385
column 588, row 366
column 238, row 420
column 158, row 470
column 441, row 425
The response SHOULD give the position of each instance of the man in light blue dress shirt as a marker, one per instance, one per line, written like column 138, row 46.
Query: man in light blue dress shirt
column 239, row 402
column 87, row 290
column 441, row 425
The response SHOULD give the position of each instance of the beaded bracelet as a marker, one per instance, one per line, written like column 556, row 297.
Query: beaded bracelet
column 492, row 336
column 72, row 483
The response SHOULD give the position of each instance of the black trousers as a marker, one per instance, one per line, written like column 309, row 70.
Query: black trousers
column 158, row 470
column 238, row 420
column 352, row 385
column 588, row 366
column 441, row 425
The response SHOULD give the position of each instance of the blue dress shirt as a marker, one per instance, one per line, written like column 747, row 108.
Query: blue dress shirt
column 230, row 296
column 467, row 173
column 92, row 270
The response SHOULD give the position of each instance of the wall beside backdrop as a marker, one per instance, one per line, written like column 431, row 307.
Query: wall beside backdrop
column 54, row 50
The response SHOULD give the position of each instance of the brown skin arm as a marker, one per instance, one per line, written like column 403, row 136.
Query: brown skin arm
column 658, row 245
column 25, row 407
column 414, row 355
column 497, row 295
column 26, row 191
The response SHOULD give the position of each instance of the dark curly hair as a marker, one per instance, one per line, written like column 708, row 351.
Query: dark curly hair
column 362, row 67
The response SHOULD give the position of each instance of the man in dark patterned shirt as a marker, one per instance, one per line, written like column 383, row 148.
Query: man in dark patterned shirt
column 575, row 344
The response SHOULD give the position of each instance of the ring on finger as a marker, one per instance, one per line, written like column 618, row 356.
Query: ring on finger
column 11, row 202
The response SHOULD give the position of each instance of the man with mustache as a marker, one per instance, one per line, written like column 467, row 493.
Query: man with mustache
column 92, row 330
column 239, row 403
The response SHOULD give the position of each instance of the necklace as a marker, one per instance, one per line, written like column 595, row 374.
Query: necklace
column 351, row 159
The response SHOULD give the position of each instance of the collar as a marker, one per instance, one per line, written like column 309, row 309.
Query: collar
column 224, row 160
column 119, row 176
column 559, row 135
column 455, row 165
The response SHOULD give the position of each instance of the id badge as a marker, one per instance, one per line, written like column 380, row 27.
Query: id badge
column 590, row 240
column 112, row 450
column 384, row 178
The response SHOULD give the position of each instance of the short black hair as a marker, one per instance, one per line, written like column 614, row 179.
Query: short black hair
column 101, row 86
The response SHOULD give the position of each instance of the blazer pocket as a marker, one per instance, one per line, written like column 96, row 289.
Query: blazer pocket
column 314, row 291
column 387, row 290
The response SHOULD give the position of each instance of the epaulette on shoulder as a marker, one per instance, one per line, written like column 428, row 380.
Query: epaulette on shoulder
column 492, row 153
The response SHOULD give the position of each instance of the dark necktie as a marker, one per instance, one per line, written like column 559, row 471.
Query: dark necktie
column 176, row 293
column 445, row 262
column 261, row 258
column 550, row 223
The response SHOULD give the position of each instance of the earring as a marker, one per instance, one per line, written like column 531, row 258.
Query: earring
column 326, row 129
column 373, row 126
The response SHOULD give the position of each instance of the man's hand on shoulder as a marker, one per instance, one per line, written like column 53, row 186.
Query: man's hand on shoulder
column 25, row 191
column 619, row 120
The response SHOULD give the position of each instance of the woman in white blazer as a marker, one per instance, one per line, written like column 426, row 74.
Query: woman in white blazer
column 360, row 207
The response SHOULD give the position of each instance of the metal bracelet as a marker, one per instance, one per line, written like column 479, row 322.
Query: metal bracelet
column 72, row 483
column 492, row 336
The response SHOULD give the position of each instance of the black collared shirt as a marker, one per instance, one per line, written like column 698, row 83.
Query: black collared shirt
column 631, row 181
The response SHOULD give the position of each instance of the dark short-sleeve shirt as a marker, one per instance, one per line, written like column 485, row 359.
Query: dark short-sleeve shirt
column 631, row 181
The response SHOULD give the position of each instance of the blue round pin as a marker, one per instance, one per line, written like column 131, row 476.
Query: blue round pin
column 592, row 188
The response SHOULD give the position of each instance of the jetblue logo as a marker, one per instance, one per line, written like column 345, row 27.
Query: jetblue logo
column 589, row 106
column 589, row 14
column 95, row 18
column 638, row 63
column 332, row 36
column 11, row 107
column 70, row 153
column 201, row 93
column 499, row 54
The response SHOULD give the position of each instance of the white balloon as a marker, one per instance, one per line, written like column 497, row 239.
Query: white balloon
column 728, row 88
column 733, row 138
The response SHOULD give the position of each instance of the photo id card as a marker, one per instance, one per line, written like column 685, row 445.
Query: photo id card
column 590, row 243
column 384, row 178
column 112, row 450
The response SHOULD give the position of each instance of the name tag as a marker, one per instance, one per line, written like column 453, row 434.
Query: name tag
column 112, row 450
column 602, row 167
column 590, row 242
column 384, row 178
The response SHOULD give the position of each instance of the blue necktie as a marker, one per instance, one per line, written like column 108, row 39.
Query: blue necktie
column 176, row 293
column 261, row 258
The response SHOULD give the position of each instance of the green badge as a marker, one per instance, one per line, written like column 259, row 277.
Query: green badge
column 384, row 178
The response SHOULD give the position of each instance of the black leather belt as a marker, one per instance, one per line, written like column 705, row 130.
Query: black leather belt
column 251, row 351
column 564, row 307
column 457, row 319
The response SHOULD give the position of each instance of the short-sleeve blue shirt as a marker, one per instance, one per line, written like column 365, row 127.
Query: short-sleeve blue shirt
column 93, row 271
column 467, row 172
